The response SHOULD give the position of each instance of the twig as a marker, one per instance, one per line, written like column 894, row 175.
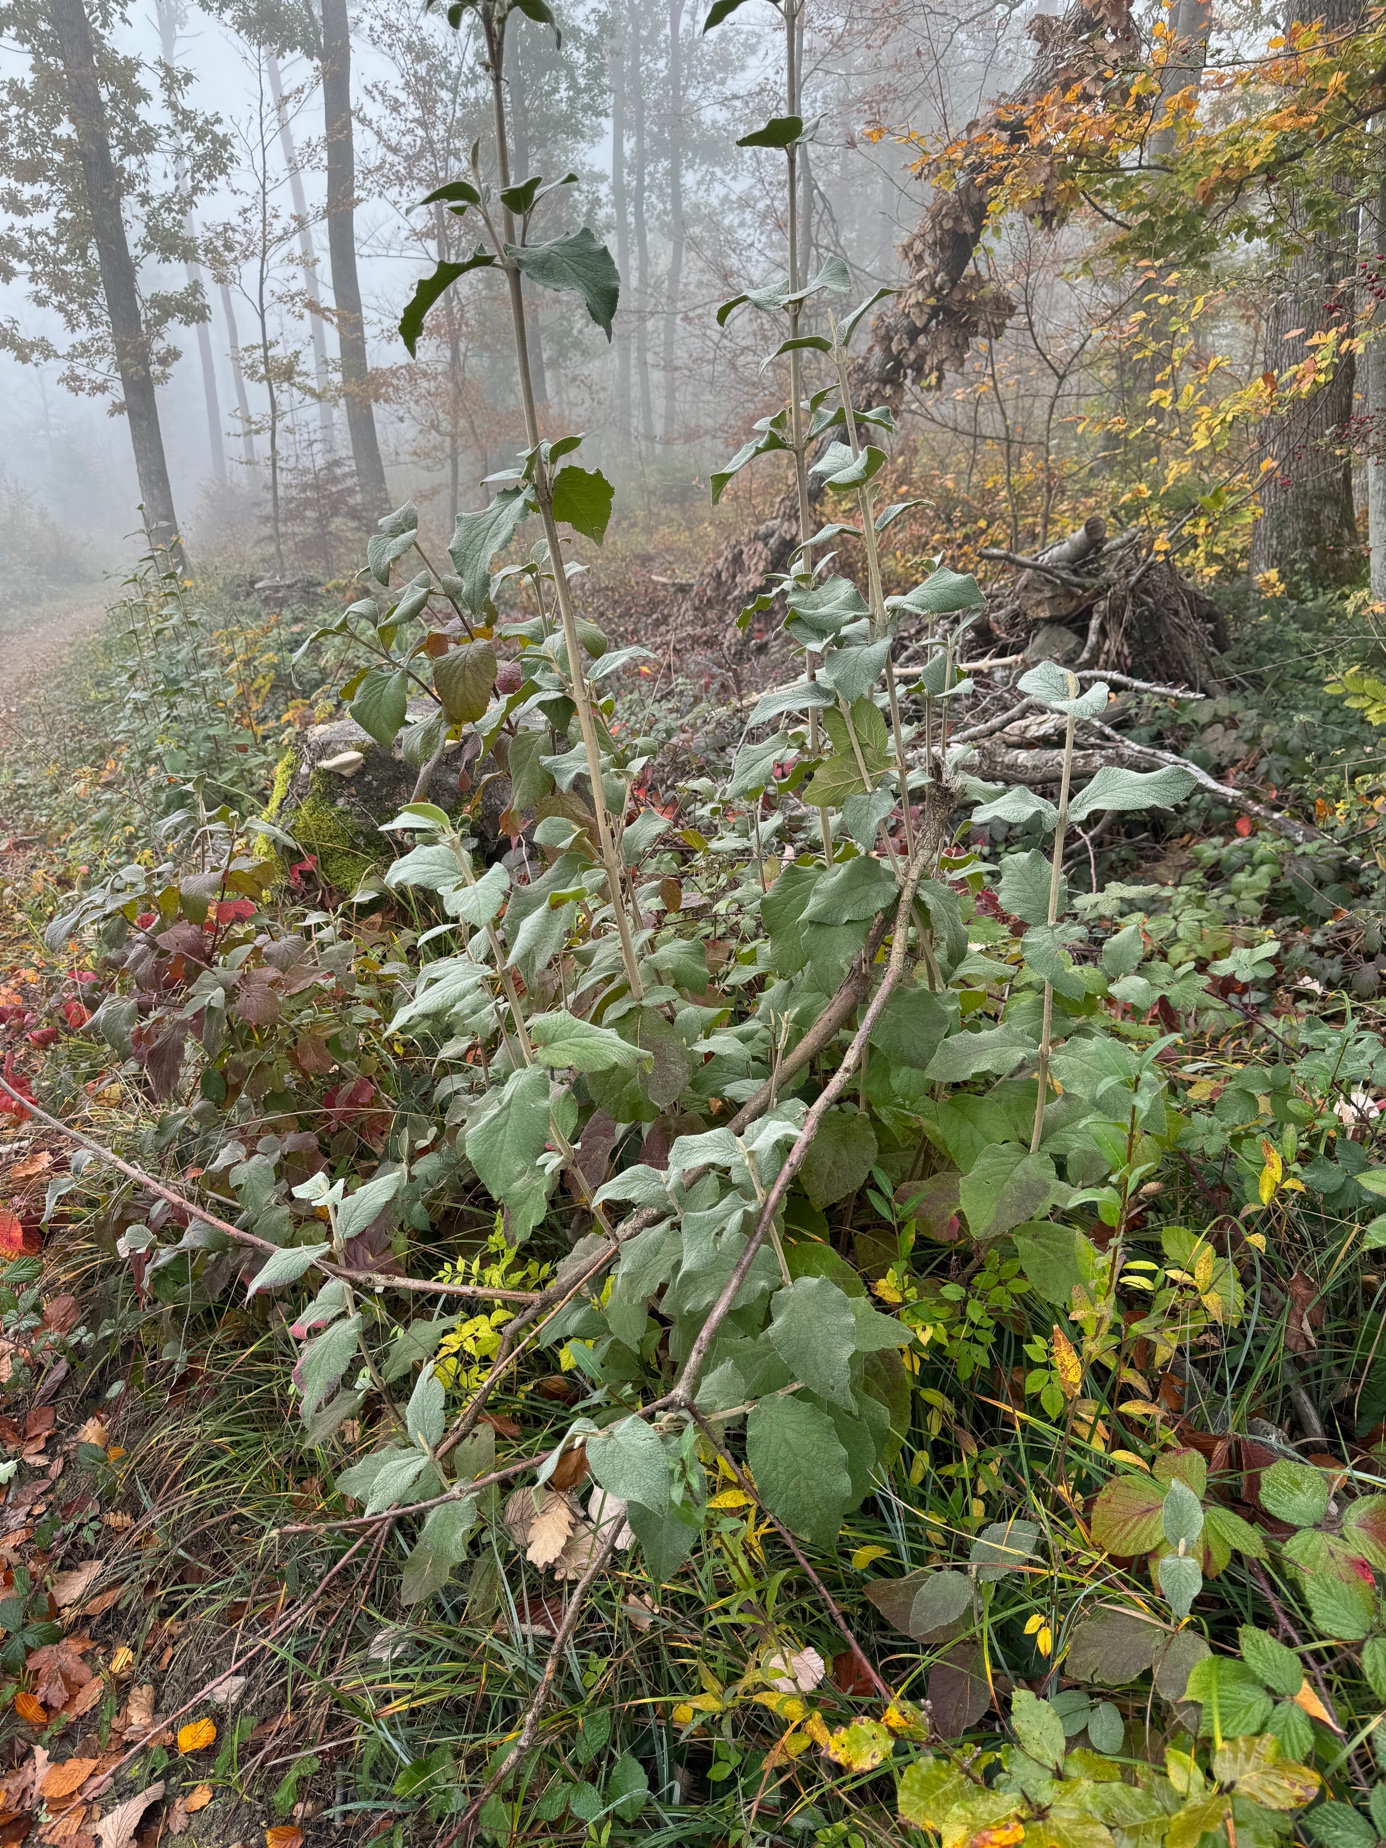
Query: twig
column 378, row 1280
column 535, row 1710
column 748, row 1487
column 1300, row 831
column 995, row 555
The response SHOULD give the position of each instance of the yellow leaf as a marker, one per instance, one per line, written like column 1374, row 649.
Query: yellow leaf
column 1067, row 1364
column 816, row 1728
column 864, row 1555
column 197, row 1735
column 1140, row 1408
column 861, row 1746
column 683, row 1713
column 730, row 1498
column 1309, row 1701
column 1129, row 1456
column 1258, row 1239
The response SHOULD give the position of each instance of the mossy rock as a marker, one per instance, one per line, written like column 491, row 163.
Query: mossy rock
column 335, row 813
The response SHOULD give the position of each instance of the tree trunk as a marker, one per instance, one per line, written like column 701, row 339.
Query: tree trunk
column 87, row 111
column 642, row 247
column 228, row 309
column 168, row 44
column 308, row 255
column 519, row 120
column 1308, row 528
column 677, row 229
column 616, row 52
column 1373, row 243
column 341, row 250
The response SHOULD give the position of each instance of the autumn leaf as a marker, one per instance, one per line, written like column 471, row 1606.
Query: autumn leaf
column 117, row 1828
column 549, row 1532
column 30, row 1709
column 58, row 1671
column 197, row 1798
column 62, row 1780
column 1067, row 1365
column 197, row 1735
column 284, row 1835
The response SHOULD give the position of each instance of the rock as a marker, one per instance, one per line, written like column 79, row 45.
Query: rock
column 1051, row 641
column 336, row 786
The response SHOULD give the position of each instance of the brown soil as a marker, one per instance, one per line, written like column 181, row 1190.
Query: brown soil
column 27, row 652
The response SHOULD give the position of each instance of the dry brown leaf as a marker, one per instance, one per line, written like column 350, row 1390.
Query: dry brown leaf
column 549, row 1531
column 117, row 1828
column 85, row 1699
column 518, row 1515
column 284, row 1835
column 197, row 1798
column 71, row 1587
column 67, row 1777
column 101, row 1602
column 139, row 1710
column 95, row 1431
column 31, row 1167
column 116, row 1521
column 59, row 1670
column 177, row 1819
column 66, row 1825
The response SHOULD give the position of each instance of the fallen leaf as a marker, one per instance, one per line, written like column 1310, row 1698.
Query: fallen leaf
column 284, row 1835
column 62, row 1780
column 31, row 1167
column 61, row 1314
column 197, row 1798
column 66, row 1825
column 117, row 1828
column 16, row 1240
column 228, row 1692
column 1309, row 1702
column 85, row 1699
column 124, row 1656
column 30, row 1709
column 102, row 1602
column 59, row 1671
column 139, row 1710
column 570, row 1469
column 95, row 1431
column 70, row 1587
column 114, row 1519
column 549, row 1531
column 197, row 1735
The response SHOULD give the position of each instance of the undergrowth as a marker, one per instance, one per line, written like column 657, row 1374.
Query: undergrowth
column 803, row 1297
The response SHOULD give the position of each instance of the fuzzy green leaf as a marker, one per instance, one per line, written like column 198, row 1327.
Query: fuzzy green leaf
column 463, row 679
column 578, row 263
column 381, row 703
column 799, row 1466
column 582, row 499
column 813, row 1331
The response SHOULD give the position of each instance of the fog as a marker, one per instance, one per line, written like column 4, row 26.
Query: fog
column 690, row 217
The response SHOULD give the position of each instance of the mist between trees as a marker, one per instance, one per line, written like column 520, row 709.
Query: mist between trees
column 213, row 221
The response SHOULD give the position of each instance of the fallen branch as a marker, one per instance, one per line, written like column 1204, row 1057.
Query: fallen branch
column 376, row 1280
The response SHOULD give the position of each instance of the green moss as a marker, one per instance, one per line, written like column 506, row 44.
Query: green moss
column 346, row 848
column 283, row 776
column 264, row 848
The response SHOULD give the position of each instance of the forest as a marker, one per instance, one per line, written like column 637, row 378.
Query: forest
column 692, row 924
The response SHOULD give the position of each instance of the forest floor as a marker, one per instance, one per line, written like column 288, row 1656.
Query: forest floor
column 36, row 644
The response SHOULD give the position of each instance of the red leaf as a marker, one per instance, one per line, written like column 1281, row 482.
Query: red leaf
column 18, row 1240
column 45, row 1036
column 1243, row 825
column 76, row 1015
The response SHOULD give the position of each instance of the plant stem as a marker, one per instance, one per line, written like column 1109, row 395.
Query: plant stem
column 1056, row 872
column 876, row 588
column 793, row 10
column 494, row 22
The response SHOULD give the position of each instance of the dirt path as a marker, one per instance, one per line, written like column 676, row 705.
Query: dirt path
column 26, row 652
